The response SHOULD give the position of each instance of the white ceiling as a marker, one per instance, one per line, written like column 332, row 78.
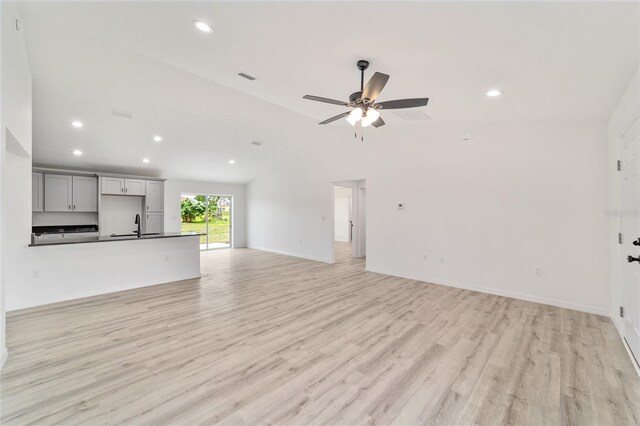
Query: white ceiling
column 555, row 61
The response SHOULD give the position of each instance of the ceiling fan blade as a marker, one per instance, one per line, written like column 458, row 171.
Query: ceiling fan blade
column 403, row 103
column 378, row 123
column 334, row 118
column 325, row 100
column 375, row 86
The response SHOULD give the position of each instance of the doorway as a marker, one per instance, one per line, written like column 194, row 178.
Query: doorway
column 349, row 231
column 629, row 149
column 209, row 215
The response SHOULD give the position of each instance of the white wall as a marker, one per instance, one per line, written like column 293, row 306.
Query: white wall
column 629, row 103
column 15, row 152
column 173, row 188
column 342, row 206
column 516, row 198
column 118, row 214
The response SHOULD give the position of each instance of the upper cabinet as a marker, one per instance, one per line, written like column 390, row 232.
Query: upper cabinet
column 85, row 194
column 154, row 196
column 37, row 192
column 134, row 187
column 58, row 193
column 122, row 186
column 66, row 193
column 112, row 186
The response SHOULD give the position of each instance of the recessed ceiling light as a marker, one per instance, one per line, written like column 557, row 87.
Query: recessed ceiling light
column 203, row 26
column 494, row 92
column 145, row 160
column 77, row 124
column 77, row 152
column 232, row 161
column 157, row 138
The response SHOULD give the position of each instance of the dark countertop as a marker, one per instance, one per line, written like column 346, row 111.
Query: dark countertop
column 107, row 238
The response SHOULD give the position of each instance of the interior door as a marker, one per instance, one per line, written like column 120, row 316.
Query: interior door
column 630, row 228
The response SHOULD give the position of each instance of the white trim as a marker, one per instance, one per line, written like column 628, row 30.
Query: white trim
column 286, row 253
column 618, row 324
column 498, row 292
column 4, row 357
column 83, row 294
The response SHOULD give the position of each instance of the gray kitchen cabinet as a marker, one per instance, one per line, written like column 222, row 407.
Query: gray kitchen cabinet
column 85, row 194
column 37, row 192
column 58, row 193
column 154, row 222
column 154, row 196
column 112, row 186
column 134, row 187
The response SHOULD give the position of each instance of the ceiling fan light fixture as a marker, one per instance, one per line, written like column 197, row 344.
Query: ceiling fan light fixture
column 354, row 116
column 371, row 116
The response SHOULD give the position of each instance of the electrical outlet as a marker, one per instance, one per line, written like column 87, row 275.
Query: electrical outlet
column 425, row 258
column 300, row 242
column 35, row 274
column 443, row 260
column 323, row 218
column 538, row 272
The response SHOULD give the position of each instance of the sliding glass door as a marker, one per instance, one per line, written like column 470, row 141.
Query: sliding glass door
column 209, row 215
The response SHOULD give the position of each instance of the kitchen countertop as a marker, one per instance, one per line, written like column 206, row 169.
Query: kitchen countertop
column 107, row 238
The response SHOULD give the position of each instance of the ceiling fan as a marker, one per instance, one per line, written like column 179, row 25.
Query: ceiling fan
column 363, row 103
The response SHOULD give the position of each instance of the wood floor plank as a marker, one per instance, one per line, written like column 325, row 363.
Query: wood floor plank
column 263, row 338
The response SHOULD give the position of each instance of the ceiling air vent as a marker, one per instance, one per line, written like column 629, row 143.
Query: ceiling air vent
column 122, row 114
column 247, row 76
column 256, row 143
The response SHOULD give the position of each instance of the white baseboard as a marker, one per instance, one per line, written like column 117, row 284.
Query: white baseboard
column 3, row 357
column 83, row 294
column 499, row 292
column 618, row 323
column 286, row 253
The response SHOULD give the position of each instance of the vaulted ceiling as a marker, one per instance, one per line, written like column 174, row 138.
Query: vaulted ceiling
column 554, row 61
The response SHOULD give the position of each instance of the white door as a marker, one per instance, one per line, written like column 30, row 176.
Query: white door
column 153, row 223
column 630, row 228
column 112, row 186
column 85, row 194
column 154, row 196
column 58, row 193
column 134, row 187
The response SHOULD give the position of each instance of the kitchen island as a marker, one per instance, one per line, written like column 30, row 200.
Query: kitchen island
column 75, row 267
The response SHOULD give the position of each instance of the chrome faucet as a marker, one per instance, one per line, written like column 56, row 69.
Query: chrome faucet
column 137, row 222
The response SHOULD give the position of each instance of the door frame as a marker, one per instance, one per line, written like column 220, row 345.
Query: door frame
column 635, row 357
column 231, row 213
column 358, row 215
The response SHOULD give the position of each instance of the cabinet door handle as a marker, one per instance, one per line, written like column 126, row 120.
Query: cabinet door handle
column 125, row 190
column 74, row 206
column 69, row 206
column 121, row 189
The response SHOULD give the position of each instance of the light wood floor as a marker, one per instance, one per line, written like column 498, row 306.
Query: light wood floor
column 264, row 338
